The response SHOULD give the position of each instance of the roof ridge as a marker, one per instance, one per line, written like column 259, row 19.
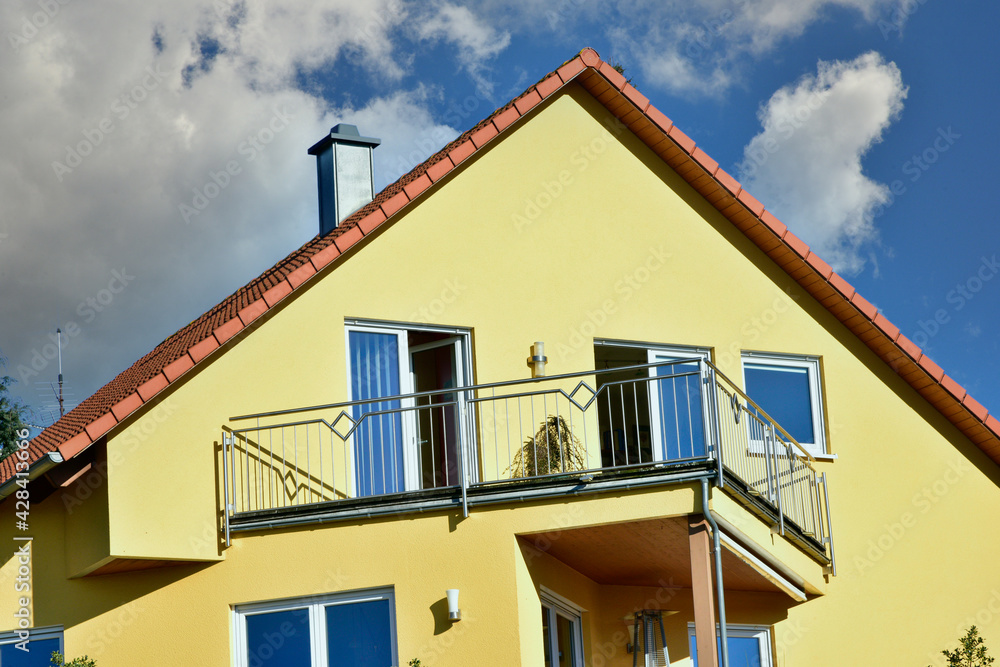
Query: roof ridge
column 179, row 353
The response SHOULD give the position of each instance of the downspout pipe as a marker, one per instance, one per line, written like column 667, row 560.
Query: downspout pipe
column 719, row 590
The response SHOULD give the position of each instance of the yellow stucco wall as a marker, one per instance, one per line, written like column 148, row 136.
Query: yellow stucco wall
column 562, row 232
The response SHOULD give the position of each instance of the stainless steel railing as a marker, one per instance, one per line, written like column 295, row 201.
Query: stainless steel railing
column 769, row 463
column 591, row 422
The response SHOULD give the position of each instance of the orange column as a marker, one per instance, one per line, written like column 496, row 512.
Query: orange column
column 701, row 587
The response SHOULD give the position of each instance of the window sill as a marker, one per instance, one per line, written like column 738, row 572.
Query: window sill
column 825, row 458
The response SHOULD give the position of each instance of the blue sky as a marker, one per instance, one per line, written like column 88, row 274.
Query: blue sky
column 120, row 224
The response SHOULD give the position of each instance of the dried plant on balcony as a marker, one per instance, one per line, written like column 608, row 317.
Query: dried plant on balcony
column 552, row 449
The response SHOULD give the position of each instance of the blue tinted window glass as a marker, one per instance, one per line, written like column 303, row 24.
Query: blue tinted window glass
column 39, row 654
column 681, row 428
column 743, row 651
column 783, row 392
column 279, row 638
column 378, row 442
column 359, row 634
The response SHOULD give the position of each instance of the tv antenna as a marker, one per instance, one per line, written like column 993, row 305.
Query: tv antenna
column 59, row 345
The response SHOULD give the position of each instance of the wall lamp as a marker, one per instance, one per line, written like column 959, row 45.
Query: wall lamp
column 537, row 360
column 454, row 613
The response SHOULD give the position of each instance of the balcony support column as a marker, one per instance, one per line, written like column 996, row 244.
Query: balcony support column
column 699, row 541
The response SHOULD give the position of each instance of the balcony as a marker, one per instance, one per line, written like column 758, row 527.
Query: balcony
column 652, row 424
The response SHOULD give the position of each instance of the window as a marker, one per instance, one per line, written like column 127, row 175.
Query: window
column 787, row 387
column 409, row 444
column 749, row 645
column 562, row 637
column 40, row 645
column 643, row 419
column 356, row 629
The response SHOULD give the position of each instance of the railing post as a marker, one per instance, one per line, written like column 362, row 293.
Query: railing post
column 464, row 439
column 829, row 525
column 227, row 442
column 713, row 428
column 774, row 472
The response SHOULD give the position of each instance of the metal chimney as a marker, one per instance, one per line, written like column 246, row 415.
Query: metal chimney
column 344, row 173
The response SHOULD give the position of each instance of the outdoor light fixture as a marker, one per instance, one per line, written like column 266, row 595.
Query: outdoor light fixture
column 454, row 613
column 537, row 360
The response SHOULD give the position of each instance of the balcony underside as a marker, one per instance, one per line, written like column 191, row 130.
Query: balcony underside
column 566, row 486
column 654, row 553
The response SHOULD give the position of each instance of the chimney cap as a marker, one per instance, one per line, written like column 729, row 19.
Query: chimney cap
column 343, row 133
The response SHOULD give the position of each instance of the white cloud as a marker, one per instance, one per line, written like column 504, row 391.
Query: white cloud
column 805, row 165
column 475, row 39
column 117, row 115
column 703, row 47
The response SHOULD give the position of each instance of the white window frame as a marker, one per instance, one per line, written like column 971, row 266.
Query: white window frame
column 762, row 633
column 316, row 604
column 462, row 340
column 556, row 605
column 34, row 635
column 812, row 366
column 659, row 353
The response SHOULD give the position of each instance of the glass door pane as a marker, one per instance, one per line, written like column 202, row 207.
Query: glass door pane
column 676, row 408
column 359, row 634
column 565, row 641
column 379, row 439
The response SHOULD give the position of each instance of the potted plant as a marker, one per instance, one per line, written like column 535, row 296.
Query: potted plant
column 552, row 449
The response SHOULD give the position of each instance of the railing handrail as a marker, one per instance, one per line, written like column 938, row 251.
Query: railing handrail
column 809, row 457
column 473, row 387
column 802, row 451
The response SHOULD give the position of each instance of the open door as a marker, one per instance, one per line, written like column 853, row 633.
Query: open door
column 411, row 443
column 435, row 365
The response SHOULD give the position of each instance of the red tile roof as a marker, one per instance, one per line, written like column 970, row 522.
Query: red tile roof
column 179, row 354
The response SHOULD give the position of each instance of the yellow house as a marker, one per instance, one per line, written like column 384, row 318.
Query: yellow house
column 564, row 395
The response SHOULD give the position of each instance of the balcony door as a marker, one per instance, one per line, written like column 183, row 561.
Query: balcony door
column 677, row 411
column 649, row 414
column 405, row 443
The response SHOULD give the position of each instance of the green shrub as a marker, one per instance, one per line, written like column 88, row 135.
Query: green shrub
column 970, row 653
column 60, row 661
